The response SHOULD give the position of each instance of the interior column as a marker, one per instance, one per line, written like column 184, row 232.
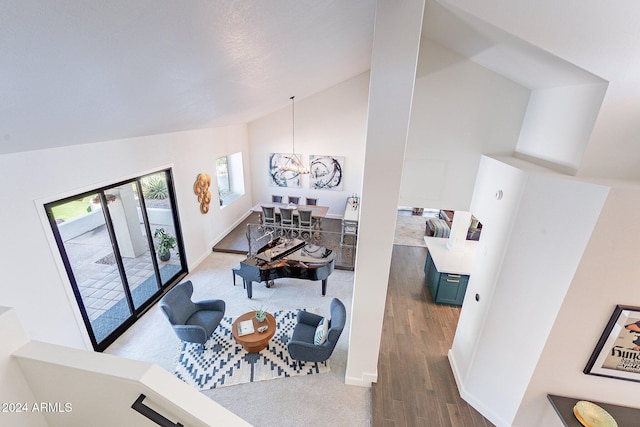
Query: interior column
column 394, row 59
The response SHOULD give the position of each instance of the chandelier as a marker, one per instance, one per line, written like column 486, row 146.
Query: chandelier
column 293, row 163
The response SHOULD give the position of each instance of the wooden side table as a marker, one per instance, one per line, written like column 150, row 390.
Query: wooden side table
column 257, row 341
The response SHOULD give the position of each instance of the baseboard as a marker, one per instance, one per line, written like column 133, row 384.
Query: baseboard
column 365, row 381
column 471, row 399
column 215, row 241
column 229, row 229
column 454, row 369
column 196, row 263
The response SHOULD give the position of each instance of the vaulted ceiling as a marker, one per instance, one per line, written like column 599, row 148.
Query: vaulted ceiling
column 75, row 72
column 84, row 71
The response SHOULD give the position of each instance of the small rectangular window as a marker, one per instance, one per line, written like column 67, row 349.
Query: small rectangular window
column 230, row 178
column 222, row 175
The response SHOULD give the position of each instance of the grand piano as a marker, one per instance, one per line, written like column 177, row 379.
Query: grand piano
column 287, row 258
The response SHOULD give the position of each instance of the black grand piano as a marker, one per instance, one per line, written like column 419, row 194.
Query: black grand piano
column 287, row 258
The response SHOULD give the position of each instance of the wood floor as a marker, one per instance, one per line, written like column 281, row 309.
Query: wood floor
column 415, row 384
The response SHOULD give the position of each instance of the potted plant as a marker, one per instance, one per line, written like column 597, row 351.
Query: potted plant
column 166, row 242
column 261, row 314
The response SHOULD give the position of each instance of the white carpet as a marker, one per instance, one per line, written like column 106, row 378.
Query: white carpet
column 273, row 403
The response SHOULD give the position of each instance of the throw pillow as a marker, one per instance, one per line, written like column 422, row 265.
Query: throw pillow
column 321, row 332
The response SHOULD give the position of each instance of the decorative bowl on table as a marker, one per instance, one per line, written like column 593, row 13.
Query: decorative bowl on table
column 591, row 415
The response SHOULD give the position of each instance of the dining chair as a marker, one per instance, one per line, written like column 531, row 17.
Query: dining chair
column 305, row 221
column 286, row 217
column 269, row 215
column 311, row 201
column 294, row 200
column 276, row 199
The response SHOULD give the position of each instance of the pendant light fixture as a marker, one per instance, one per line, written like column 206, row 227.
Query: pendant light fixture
column 293, row 163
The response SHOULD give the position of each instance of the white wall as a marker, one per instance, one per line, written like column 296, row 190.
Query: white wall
column 613, row 149
column 552, row 225
column 497, row 218
column 15, row 389
column 34, row 282
column 607, row 275
column 559, row 121
column 599, row 39
column 460, row 111
column 332, row 122
column 99, row 390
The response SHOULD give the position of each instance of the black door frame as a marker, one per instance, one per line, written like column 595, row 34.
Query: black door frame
column 162, row 288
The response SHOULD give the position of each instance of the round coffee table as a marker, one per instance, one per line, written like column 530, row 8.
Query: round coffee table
column 257, row 341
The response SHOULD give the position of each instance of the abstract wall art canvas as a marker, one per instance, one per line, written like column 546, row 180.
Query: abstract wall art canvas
column 280, row 178
column 326, row 172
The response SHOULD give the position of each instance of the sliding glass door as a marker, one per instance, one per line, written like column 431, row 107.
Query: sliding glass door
column 111, row 241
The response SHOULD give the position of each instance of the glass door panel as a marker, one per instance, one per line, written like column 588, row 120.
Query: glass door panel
column 91, row 263
column 136, row 259
column 162, row 226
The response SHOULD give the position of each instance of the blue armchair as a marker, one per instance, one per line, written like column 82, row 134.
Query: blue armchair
column 301, row 346
column 191, row 321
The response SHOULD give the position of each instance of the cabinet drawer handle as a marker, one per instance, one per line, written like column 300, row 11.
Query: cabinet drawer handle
column 453, row 281
column 454, row 275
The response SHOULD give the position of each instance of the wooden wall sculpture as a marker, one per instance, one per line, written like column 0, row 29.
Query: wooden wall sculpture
column 201, row 188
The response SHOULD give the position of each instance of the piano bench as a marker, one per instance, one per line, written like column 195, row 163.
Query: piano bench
column 233, row 270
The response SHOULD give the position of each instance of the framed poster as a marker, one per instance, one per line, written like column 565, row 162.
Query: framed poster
column 617, row 354
column 325, row 172
column 280, row 178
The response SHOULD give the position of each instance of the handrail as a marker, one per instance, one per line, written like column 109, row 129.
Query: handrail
column 151, row 414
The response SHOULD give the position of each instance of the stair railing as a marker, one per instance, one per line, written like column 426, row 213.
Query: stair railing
column 154, row 416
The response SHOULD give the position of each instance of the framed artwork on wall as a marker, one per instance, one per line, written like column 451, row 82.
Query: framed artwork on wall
column 326, row 172
column 617, row 354
column 279, row 178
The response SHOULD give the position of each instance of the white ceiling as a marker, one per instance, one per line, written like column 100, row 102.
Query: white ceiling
column 83, row 71
column 75, row 72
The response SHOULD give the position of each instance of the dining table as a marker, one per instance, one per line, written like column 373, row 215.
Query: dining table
column 317, row 212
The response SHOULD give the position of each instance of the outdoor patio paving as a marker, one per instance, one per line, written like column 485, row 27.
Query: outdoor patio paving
column 97, row 273
column 104, row 289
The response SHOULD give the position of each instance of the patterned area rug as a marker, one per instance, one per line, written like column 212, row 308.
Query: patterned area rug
column 224, row 362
